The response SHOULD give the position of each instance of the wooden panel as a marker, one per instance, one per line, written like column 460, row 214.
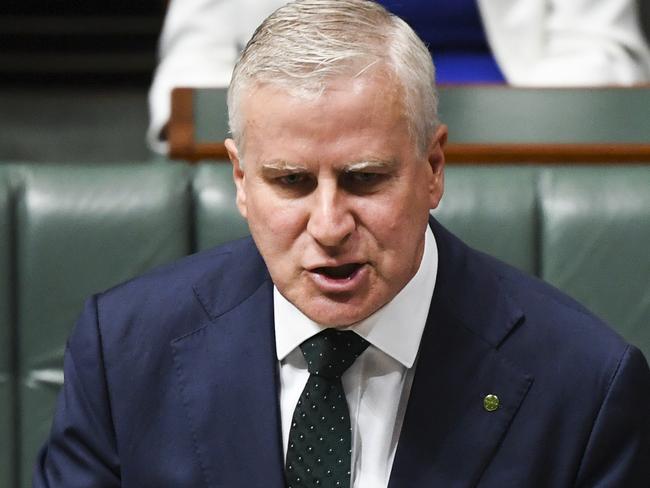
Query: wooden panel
column 490, row 153
column 180, row 129
column 547, row 153
column 488, row 125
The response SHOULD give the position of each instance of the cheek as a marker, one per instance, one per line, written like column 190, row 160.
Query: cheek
column 396, row 227
column 275, row 225
column 386, row 233
column 396, row 213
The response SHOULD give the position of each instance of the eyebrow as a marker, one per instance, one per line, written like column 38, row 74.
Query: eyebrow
column 282, row 165
column 377, row 164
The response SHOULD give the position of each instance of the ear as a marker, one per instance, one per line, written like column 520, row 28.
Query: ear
column 436, row 159
column 238, row 176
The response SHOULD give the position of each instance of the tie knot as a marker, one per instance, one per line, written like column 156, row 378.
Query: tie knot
column 330, row 352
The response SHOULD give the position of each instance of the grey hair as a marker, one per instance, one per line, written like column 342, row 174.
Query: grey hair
column 307, row 43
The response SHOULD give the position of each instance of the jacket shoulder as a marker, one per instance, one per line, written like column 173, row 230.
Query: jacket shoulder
column 176, row 298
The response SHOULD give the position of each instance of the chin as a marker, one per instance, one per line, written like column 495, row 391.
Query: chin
column 336, row 315
column 336, row 322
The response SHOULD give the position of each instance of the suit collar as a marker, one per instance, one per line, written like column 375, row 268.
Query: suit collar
column 241, row 273
column 227, row 375
column 470, row 290
column 448, row 438
column 227, row 370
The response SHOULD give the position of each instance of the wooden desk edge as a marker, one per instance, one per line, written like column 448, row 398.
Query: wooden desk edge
column 180, row 129
column 183, row 146
column 468, row 153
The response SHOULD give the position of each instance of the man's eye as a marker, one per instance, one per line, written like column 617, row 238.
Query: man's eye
column 292, row 179
column 295, row 183
column 364, row 177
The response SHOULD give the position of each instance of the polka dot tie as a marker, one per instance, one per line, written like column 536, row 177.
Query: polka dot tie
column 319, row 451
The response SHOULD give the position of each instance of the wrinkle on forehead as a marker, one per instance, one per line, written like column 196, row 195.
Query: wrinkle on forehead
column 358, row 121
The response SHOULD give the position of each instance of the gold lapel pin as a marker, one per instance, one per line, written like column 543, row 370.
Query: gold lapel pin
column 491, row 403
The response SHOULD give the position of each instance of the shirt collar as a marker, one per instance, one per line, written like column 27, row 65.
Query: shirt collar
column 395, row 329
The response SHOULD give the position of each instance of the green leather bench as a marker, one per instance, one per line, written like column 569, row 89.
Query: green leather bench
column 68, row 231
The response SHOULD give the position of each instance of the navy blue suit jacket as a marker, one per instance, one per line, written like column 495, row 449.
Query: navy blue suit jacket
column 171, row 380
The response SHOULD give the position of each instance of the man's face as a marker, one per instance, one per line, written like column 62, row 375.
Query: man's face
column 336, row 195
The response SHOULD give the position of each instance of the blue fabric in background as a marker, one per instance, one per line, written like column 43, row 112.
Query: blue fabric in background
column 453, row 31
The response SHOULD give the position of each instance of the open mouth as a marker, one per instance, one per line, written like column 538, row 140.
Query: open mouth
column 343, row 272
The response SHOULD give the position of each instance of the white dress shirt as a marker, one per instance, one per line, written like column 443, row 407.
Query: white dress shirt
column 378, row 384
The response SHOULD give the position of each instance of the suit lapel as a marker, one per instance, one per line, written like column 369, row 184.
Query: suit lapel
column 448, row 437
column 228, row 379
column 227, row 371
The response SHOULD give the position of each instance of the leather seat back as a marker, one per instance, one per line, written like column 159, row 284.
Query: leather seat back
column 7, row 330
column 595, row 242
column 82, row 229
column 69, row 231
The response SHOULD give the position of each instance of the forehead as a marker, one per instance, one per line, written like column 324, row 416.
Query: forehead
column 349, row 113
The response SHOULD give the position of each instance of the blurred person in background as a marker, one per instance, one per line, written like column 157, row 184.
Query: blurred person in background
column 521, row 42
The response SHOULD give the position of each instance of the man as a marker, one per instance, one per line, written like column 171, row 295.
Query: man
column 352, row 341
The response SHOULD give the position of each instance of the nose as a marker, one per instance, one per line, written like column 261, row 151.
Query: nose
column 331, row 221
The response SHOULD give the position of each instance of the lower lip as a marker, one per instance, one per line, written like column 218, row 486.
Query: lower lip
column 327, row 284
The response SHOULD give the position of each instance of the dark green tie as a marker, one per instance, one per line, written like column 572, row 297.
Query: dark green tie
column 319, row 450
